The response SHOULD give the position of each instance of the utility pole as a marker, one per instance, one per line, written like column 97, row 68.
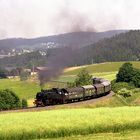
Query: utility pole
column 33, row 68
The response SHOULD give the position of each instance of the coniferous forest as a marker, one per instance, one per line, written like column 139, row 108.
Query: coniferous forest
column 122, row 47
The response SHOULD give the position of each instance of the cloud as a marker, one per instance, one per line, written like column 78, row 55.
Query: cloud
column 32, row 18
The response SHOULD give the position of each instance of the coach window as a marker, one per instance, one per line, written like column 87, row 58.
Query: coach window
column 91, row 91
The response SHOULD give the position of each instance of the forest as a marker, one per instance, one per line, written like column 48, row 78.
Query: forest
column 121, row 47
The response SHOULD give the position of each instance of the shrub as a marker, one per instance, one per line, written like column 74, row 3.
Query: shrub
column 2, row 73
column 9, row 100
column 124, row 92
column 129, row 74
column 125, row 73
column 83, row 78
column 120, row 85
column 70, row 84
column 24, row 103
column 136, row 78
column 24, row 75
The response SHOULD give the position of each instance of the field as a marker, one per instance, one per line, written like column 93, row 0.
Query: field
column 99, row 68
column 71, row 78
column 106, row 70
column 71, row 122
column 28, row 89
column 113, row 118
column 129, row 135
column 24, row 89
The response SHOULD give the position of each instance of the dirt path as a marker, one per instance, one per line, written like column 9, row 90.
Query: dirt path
column 85, row 102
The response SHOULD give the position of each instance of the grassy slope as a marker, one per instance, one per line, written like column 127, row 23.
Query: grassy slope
column 68, row 122
column 99, row 68
column 57, row 123
column 29, row 89
column 106, row 75
column 23, row 89
column 106, row 70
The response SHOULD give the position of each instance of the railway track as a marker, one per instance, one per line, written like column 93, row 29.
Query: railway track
column 72, row 104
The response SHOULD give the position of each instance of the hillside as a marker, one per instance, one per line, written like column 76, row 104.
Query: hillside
column 25, row 60
column 99, row 68
column 122, row 47
column 28, row 89
column 79, row 39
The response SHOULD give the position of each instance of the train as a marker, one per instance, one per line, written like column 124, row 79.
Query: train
column 99, row 87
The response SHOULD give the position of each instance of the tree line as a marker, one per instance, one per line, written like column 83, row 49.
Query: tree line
column 122, row 47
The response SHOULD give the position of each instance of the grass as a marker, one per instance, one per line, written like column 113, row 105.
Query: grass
column 24, row 89
column 130, row 135
column 99, row 68
column 106, row 75
column 28, row 89
column 69, row 122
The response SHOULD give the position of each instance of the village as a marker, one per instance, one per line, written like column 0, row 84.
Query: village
column 14, row 72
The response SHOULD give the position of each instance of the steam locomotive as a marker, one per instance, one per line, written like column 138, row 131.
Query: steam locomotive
column 53, row 96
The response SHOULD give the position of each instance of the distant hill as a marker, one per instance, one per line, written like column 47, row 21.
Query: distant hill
column 25, row 60
column 76, row 39
column 122, row 47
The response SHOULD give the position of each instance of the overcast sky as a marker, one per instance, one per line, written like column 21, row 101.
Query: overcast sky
column 34, row 18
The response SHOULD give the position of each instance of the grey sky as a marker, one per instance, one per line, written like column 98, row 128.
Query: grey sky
column 33, row 18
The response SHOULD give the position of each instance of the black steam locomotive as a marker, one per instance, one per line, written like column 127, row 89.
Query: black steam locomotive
column 53, row 96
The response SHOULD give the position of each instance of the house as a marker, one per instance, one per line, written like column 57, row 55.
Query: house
column 13, row 72
column 36, row 70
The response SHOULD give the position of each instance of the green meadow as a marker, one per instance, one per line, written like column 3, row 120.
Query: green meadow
column 101, row 67
column 112, row 118
column 28, row 89
column 24, row 89
column 69, row 122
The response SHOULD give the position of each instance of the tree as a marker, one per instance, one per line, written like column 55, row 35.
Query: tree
column 24, row 75
column 136, row 78
column 83, row 78
column 9, row 100
column 2, row 74
column 24, row 103
column 129, row 74
column 125, row 74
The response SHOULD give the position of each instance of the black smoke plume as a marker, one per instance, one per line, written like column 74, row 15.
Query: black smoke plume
column 59, row 59
column 67, row 20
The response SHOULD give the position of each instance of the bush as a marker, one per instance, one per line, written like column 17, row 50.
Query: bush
column 136, row 78
column 2, row 73
column 24, row 103
column 129, row 74
column 24, row 75
column 83, row 78
column 125, row 73
column 9, row 100
column 124, row 92
column 69, row 84
column 120, row 85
